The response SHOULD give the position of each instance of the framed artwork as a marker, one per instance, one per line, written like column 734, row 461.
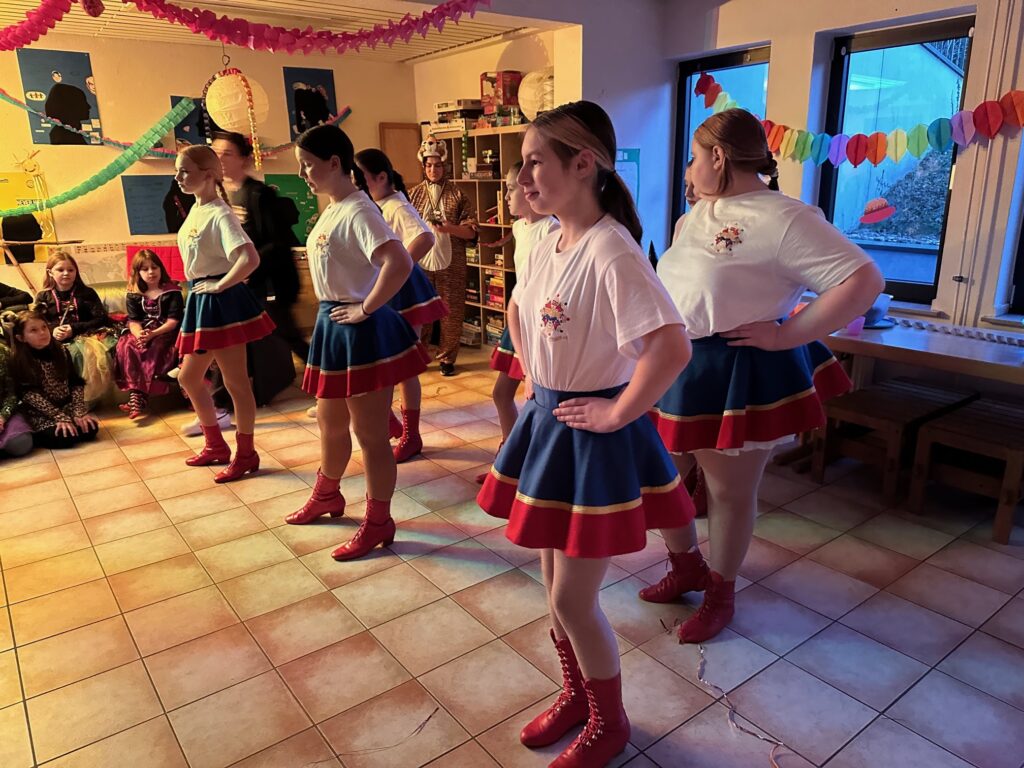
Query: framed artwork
column 60, row 84
column 295, row 189
column 310, row 97
column 197, row 128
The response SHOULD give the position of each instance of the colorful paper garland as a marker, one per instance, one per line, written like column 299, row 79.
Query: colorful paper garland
column 37, row 23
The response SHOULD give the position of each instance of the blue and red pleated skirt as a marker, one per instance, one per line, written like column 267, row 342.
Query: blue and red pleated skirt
column 505, row 359
column 352, row 359
column 220, row 320
column 736, row 398
column 585, row 493
column 417, row 301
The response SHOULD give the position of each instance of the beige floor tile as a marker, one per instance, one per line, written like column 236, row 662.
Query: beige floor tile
column 284, row 438
column 470, row 518
column 833, row 511
column 656, row 699
column 636, row 620
column 102, row 479
column 460, row 565
column 199, row 504
column 885, row 742
column 915, row 631
column 62, row 611
column 419, row 471
column 1008, row 624
column 179, row 619
column 984, row 731
column 708, row 741
column 159, row 581
column 75, row 655
column 104, row 502
column 220, row 527
column 273, row 511
column 236, row 558
column 303, row 627
column 149, row 744
column 41, row 545
column 819, row 588
column 464, row 398
column 764, row 558
column 141, row 549
column 100, row 706
column 465, row 686
column 387, row 594
column 166, row 464
column 981, row 565
column 268, row 484
column 192, row 670
column 432, row 635
column 424, row 534
column 186, row 480
column 52, row 575
column 443, row 492
column 298, row 455
column 139, row 453
column 401, row 710
column 779, row 490
column 218, row 731
column 840, row 657
column 869, row 563
column 10, row 681
column 505, row 602
column 461, row 458
column 954, row 596
column 476, row 431
column 79, row 463
column 15, row 747
column 312, row 537
column 902, row 536
column 269, row 589
column 143, row 434
column 307, row 749
column 469, row 755
column 44, row 492
column 37, row 518
column 447, row 418
column 990, row 665
column 496, row 541
column 730, row 659
column 360, row 661
column 793, row 532
column 127, row 522
column 773, row 621
column 334, row 574
column 19, row 477
column 813, row 718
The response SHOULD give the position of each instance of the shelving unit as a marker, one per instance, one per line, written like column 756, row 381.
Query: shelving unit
column 490, row 280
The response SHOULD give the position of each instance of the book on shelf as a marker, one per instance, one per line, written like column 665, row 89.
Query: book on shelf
column 472, row 254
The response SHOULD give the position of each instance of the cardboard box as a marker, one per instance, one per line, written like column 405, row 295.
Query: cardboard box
column 499, row 89
column 457, row 104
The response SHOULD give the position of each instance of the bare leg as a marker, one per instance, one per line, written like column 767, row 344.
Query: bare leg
column 681, row 539
column 234, row 369
column 335, row 441
column 547, row 568
column 574, row 597
column 192, row 378
column 370, row 424
column 504, row 396
column 412, row 394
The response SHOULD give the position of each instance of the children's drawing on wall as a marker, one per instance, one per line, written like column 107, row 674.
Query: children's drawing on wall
column 311, row 98
column 197, row 128
column 60, row 84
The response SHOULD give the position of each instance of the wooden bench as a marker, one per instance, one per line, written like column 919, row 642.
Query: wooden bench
column 878, row 425
column 949, row 449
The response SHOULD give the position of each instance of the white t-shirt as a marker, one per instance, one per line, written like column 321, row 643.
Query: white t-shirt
column 402, row 218
column 582, row 311
column 341, row 246
column 527, row 236
column 749, row 258
column 208, row 239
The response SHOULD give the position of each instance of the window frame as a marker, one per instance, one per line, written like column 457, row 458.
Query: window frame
column 1017, row 277
column 843, row 47
column 757, row 55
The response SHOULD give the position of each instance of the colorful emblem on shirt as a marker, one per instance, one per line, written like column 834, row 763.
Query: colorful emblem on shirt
column 193, row 236
column 727, row 238
column 553, row 317
column 322, row 246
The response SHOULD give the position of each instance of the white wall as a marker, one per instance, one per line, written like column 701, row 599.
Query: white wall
column 134, row 83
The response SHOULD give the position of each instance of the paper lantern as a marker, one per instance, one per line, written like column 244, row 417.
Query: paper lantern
column 897, row 145
column 940, row 134
column 837, row 149
column 857, row 149
column 877, row 145
column 775, row 136
column 1012, row 104
column 988, row 118
column 788, row 142
column 962, row 127
column 802, row 147
column 917, row 140
column 537, row 93
column 820, row 147
column 228, row 105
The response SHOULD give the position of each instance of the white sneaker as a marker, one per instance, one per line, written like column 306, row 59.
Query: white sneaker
column 194, row 428
column 173, row 373
column 311, row 413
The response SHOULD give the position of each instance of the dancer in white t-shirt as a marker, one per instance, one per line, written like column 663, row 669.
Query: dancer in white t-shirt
column 583, row 475
column 743, row 258
column 361, row 347
column 221, row 314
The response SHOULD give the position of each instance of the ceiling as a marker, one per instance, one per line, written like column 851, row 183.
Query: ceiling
column 127, row 22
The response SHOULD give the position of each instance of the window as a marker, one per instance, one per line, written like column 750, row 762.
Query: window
column 743, row 75
column 1017, row 296
column 882, row 81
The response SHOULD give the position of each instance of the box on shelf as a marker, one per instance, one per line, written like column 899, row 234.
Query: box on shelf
column 453, row 105
column 472, row 254
column 499, row 89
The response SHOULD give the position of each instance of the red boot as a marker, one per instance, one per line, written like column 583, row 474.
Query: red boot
column 569, row 709
column 215, row 450
column 607, row 731
column 246, row 460
column 411, row 443
column 377, row 528
column 715, row 612
column 326, row 500
column 689, row 574
column 395, row 430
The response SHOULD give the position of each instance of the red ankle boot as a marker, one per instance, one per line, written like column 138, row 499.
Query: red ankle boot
column 607, row 731
column 689, row 574
column 246, row 460
column 411, row 443
column 715, row 612
column 326, row 500
column 377, row 528
column 698, row 490
column 569, row 709
column 215, row 450
column 395, row 430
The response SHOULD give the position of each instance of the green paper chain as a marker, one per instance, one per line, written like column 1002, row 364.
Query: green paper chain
column 119, row 165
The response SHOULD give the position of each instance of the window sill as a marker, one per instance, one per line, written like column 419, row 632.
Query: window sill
column 1005, row 321
column 918, row 310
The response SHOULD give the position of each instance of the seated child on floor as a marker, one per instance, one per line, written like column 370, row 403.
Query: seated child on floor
column 15, row 433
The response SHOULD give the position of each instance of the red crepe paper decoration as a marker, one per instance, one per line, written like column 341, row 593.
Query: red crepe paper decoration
column 711, row 95
column 775, row 137
column 988, row 118
column 93, row 7
column 37, row 23
column 962, row 124
column 1012, row 104
column 703, row 82
column 857, row 149
column 877, row 145
column 767, row 125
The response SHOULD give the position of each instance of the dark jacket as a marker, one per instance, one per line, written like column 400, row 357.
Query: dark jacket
column 260, row 212
column 13, row 297
column 86, row 313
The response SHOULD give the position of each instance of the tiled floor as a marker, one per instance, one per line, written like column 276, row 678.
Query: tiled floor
column 149, row 617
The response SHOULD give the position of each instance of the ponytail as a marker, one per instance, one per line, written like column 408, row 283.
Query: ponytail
column 360, row 178
column 771, row 170
column 399, row 183
column 222, row 192
column 617, row 201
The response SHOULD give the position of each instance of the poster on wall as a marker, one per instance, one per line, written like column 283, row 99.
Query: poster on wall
column 155, row 204
column 61, row 85
column 19, row 188
column 310, row 96
column 197, row 128
column 627, row 165
column 295, row 189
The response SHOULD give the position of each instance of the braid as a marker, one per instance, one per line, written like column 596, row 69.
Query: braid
column 222, row 192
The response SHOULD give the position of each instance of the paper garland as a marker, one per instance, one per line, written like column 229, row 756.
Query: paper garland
column 989, row 119
column 37, row 23
column 120, row 164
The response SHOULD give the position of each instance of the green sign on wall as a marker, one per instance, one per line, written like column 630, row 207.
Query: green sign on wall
column 291, row 186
